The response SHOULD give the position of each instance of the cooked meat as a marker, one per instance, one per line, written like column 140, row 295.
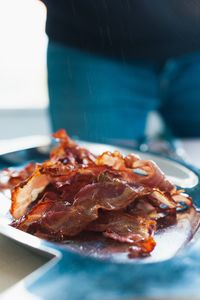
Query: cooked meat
column 123, row 198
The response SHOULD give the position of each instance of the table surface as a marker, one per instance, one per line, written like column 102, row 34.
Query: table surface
column 16, row 262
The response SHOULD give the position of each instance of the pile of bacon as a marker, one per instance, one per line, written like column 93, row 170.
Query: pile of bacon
column 123, row 198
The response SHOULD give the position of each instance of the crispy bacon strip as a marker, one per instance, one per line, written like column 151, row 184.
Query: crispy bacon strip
column 27, row 192
column 124, row 227
column 10, row 178
column 75, row 218
column 69, row 152
column 152, row 176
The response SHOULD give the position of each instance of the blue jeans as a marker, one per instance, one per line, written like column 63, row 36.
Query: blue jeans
column 99, row 99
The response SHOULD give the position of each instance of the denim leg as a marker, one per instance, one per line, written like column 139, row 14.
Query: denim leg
column 99, row 99
column 181, row 97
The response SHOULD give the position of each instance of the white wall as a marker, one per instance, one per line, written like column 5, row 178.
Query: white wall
column 23, row 74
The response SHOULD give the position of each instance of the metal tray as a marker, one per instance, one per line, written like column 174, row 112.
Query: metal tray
column 88, row 268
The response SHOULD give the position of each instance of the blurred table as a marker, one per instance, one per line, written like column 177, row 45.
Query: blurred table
column 16, row 262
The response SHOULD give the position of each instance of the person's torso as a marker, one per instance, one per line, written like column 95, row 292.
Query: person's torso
column 141, row 26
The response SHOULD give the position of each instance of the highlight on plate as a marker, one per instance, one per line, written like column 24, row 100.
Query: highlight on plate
column 125, row 199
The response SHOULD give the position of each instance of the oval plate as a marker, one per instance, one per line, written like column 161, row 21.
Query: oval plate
column 88, row 251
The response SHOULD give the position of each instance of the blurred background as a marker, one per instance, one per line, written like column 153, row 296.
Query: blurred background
column 23, row 72
column 23, row 76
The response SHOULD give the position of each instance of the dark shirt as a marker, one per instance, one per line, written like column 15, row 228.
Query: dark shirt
column 126, row 28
